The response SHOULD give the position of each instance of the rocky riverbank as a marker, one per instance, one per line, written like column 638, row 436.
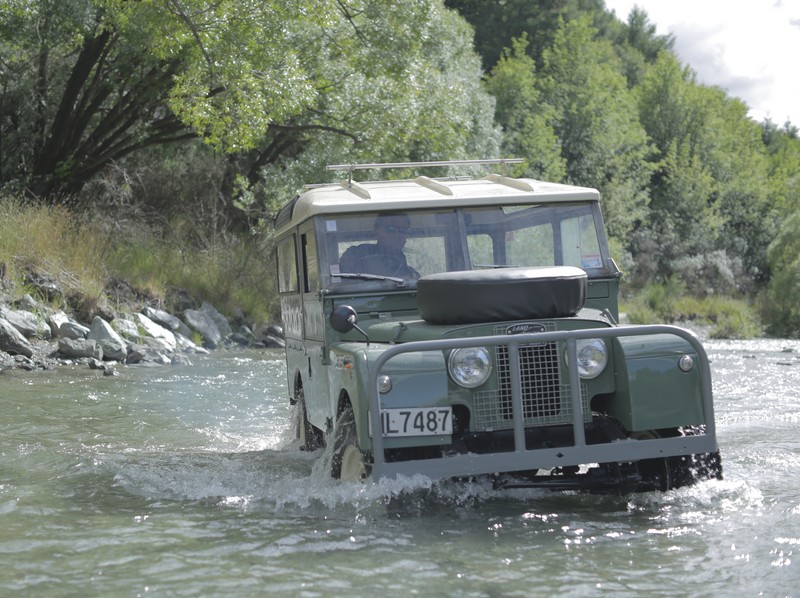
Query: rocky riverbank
column 36, row 336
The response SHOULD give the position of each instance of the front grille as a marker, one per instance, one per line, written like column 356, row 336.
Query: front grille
column 545, row 400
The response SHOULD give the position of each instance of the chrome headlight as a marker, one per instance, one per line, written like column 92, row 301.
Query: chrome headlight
column 469, row 367
column 592, row 357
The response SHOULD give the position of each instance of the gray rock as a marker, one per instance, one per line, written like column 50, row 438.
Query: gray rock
column 221, row 321
column 114, row 348
column 46, row 288
column 102, row 330
column 136, row 354
column 274, row 342
column 28, row 303
column 127, row 328
column 275, row 330
column 79, row 348
column 204, row 325
column 151, row 353
column 187, row 346
column 165, row 337
column 156, row 345
column 163, row 318
column 24, row 363
column 72, row 330
column 55, row 320
column 12, row 341
column 26, row 322
column 180, row 359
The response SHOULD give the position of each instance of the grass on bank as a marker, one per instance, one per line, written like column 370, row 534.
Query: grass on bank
column 725, row 317
column 88, row 259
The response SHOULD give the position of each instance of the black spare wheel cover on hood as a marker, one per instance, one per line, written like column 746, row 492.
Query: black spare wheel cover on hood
column 501, row 294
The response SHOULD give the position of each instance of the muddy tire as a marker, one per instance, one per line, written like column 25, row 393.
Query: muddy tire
column 349, row 462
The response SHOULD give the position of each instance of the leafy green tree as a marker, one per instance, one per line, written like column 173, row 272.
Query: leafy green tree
column 86, row 83
column 115, row 76
column 637, row 44
column 780, row 307
column 497, row 23
column 683, row 219
column 596, row 122
column 523, row 116
column 709, row 212
column 435, row 109
column 783, row 150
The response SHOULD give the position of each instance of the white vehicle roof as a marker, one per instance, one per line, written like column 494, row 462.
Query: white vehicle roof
column 422, row 193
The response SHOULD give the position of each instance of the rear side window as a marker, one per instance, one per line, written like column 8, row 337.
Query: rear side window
column 310, row 263
column 287, row 265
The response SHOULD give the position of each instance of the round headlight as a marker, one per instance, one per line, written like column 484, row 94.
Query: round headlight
column 469, row 367
column 592, row 357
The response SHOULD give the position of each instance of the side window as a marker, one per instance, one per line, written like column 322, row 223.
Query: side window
column 310, row 262
column 287, row 266
column 579, row 242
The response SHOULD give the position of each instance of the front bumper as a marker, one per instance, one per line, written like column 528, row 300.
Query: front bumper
column 520, row 458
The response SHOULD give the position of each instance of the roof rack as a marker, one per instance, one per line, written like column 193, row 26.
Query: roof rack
column 352, row 167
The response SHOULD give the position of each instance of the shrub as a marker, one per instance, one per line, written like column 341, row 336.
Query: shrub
column 723, row 316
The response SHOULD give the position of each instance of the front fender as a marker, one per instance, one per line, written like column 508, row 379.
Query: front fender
column 419, row 379
column 652, row 391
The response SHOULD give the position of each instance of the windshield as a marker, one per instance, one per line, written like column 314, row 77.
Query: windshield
column 402, row 246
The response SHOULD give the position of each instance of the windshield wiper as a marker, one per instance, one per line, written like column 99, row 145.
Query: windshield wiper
column 399, row 282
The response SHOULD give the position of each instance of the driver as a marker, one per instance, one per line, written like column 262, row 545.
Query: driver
column 385, row 257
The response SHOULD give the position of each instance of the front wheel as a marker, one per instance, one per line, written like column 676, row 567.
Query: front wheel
column 675, row 472
column 688, row 469
column 349, row 463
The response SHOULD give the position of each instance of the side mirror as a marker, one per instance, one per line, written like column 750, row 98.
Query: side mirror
column 343, row 319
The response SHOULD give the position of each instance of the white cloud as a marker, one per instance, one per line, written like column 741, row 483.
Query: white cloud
column 750, row 49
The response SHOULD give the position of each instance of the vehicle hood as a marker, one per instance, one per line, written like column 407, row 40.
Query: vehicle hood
column 409, row 329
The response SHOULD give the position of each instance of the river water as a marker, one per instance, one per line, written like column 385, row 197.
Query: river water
column 185, row 481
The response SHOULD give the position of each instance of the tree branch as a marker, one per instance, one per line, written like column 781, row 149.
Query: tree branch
column 185, row 18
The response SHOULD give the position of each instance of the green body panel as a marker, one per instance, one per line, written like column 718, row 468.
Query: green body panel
column 652, row 392
column 419, row 379
column 603, row 295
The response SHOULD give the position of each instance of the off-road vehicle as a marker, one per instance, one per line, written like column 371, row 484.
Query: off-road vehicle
column 460, row 327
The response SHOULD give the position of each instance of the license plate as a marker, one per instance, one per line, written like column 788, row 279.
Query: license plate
column 417, row 421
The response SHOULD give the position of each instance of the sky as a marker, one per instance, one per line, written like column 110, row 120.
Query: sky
column 750, row 48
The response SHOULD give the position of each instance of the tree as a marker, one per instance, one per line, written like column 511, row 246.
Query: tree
column 638, row 45
column 90, row 82
column 596, row 122
column 780, row 308
column 523, row 116
column 433, row 109
column 709, row 210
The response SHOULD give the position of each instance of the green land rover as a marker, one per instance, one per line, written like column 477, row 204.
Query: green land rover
column 467, row 327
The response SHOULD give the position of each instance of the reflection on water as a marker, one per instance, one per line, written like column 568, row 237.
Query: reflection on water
column 188, row 480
